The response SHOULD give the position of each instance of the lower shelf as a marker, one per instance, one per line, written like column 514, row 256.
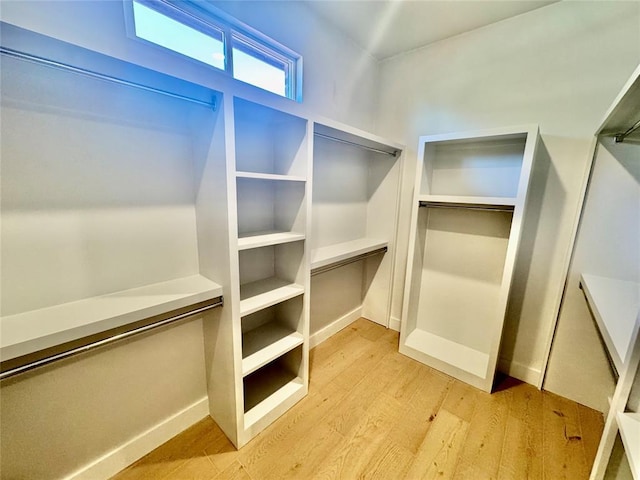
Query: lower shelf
column 629, row 425
column 455, row 354
column 261, row 294
column 266, row 343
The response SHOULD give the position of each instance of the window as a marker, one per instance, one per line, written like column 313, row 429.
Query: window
column 218, row 41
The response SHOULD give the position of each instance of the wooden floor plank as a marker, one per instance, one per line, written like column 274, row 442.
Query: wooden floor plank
column 373, row 413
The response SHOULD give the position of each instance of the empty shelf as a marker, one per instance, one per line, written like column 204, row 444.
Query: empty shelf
column 456, row 354
column 264, row 239
column 270, row 176
column 266, row 343
column 339, row 252
column 268, row 392
column 261, row 294
column 468, row 201
column 629, row 425
column 32, row 331
column 615, row 305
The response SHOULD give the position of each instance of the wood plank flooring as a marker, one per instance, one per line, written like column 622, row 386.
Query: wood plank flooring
column 373, row 413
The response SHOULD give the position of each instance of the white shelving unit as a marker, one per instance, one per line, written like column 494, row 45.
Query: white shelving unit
column 469, row 202
column 615, row 302
column 356, row 187
column 263, row 370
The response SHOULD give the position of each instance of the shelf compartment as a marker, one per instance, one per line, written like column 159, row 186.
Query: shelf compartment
column 452, row 353
column 629, row 425
column 614, row 304
column 340, row 252
column 264, row 293
column 269, row 141
column 266, row 343
column 270, row 176
column 507, row 203
column 29, row 332
column 267, row 238
column 271, row 386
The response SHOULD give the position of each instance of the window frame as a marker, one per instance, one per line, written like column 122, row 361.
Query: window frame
column 211, row 21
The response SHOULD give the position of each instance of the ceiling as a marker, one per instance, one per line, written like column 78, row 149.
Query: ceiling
column 387, row 27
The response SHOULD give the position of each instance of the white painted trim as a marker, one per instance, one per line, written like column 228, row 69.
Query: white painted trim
column 136, row 448
column 334, row 327
column 394, row 324
column 520, row 371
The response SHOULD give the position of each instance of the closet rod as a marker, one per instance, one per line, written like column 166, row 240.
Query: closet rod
column 468, row 207
column 90, row 73
column 347, row 142
column 347, row 261
column 621, row 136
column 218, row 302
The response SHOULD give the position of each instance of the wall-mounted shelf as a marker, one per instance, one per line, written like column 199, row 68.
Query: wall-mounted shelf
column 29, row 332
column 265, row 239
column 271, row 176
column 325, row 256
column 614, row 304
column 468, row 201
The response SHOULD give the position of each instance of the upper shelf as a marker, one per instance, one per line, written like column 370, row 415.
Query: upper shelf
column 261, row 294
column 468, row 201
column 615, row 305
column 264, row 239
column 623, row 112
column 322, row 257
column 271, row 176
column 32, row 331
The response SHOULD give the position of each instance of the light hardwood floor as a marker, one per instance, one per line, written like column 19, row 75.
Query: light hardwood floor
column 373, row 413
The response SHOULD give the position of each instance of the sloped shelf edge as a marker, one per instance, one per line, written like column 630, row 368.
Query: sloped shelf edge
column 629, row 425
column 264, row 239
column 29, row 332
column 266, row 343
column 339, row 252
column 261, row 294
column 614, row 304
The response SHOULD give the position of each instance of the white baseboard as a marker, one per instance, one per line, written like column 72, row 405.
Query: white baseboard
column 334, row 327
column 520, row 371
column 136, row 448
column 394, row 324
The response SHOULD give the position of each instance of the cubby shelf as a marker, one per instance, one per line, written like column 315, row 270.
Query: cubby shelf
column 36, row 330
column 261, row 294
column 468, row 201
column 270, row 176
column 614, row 304
column 324, row 256
column 263, row 404
column 265, row 239
column 266, row 343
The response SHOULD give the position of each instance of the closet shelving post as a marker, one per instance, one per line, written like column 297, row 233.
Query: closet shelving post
column 611, row 286
column 267, row 365
column 467, row 217
column 356, row 187
column 102, row 169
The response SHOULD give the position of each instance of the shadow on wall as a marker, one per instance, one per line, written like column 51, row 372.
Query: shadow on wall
column 545, row 184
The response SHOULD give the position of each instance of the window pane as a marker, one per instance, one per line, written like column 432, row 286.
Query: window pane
column 157, row 28
column 252, row 67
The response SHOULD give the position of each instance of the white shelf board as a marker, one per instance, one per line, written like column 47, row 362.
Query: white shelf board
column 321, row 257
column 273, row 400
column 629, row 425
column 266, row 343
column 456, row 354
column 615, row 305
column 264, row 239
column 270, row 176
column 36, row 330
column 261, row 294
column 475, row 201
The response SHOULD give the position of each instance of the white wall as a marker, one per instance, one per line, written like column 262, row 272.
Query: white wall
column 554, row 66
column 59, row 419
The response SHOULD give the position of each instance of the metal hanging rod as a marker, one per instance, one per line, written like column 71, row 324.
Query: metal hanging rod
column 487, row 208
column 347, row 261
column 218, row 302
column 347, row 142
column 90, row 73
column 621, row 136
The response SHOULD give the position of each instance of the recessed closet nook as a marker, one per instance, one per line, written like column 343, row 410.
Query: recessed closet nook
column 175, row 243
